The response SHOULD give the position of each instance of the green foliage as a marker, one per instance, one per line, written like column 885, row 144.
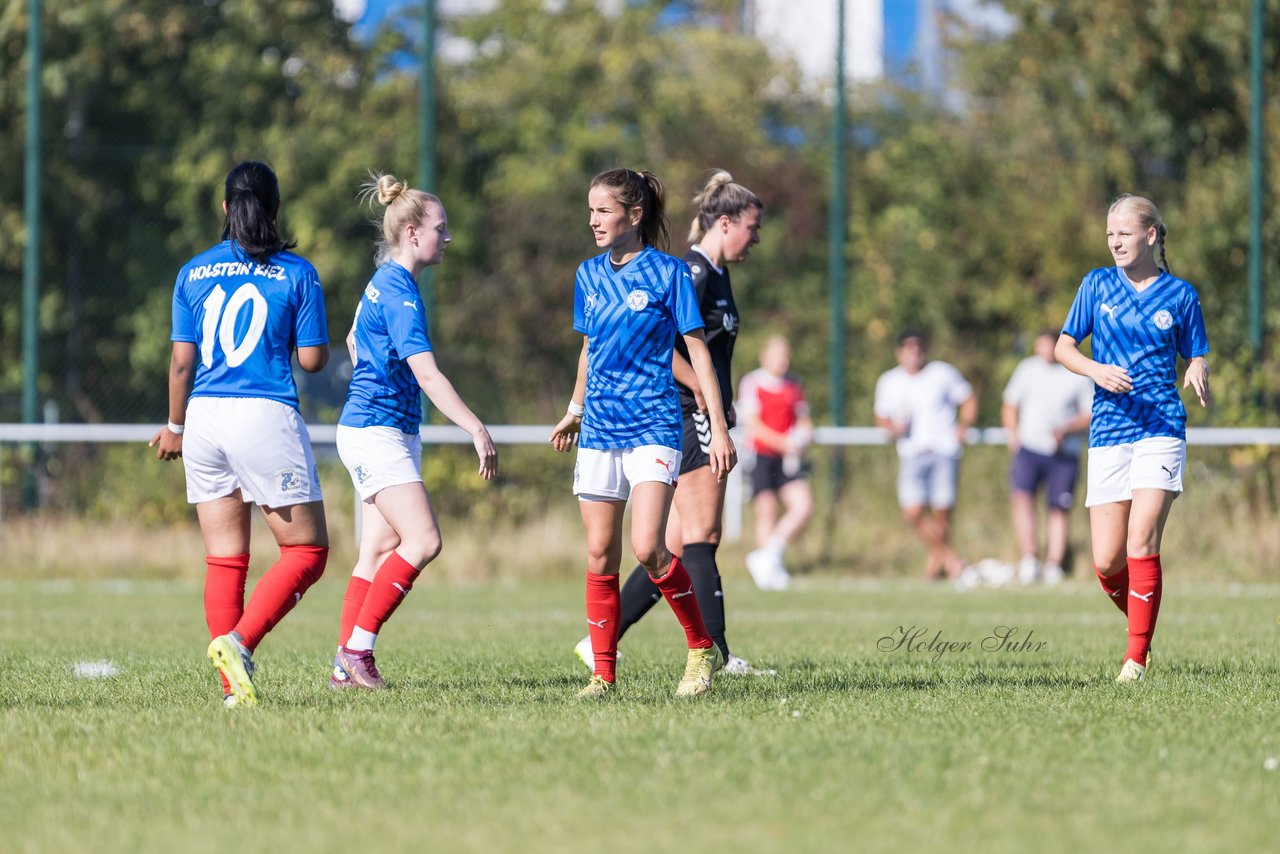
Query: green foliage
column 976, row 222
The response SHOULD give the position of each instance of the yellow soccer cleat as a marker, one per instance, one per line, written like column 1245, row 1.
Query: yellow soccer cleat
column 235, row 662
column 697, row 672
column 1132, row 671
column 596, row 689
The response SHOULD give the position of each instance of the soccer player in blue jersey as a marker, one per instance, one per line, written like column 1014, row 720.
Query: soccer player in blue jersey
column 726, row 226
column 1142, row 318
column 240, row 310
column 629, row 304
column 378, row 431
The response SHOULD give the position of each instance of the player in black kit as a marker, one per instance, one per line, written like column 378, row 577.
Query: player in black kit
column 725, row 229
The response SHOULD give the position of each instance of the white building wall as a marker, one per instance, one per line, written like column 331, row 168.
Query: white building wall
column 805, row 32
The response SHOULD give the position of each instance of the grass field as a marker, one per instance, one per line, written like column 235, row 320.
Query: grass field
column 479, row 746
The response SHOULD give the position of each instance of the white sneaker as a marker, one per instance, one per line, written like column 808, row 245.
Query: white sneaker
column 1052, row 574
column 781, row 578
column 587, row 654
column 741, row 667
column 1028, row 570
column 760, row 564
column 970, row 579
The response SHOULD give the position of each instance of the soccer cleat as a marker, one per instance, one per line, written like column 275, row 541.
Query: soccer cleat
column 1132, row 671
column 1052, row 574
column 235, row 662
column 339, row 678
column 741, row 667
column 360, row 668
column 229, row 701
column 697, row 672
column 597, row 688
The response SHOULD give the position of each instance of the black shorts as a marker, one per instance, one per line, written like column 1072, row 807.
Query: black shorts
column 697, row 441
column 772, row 473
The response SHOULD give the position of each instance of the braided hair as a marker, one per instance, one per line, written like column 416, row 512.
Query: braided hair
column 1149, row 217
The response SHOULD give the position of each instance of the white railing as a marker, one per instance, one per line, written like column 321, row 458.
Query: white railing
column 521, row 434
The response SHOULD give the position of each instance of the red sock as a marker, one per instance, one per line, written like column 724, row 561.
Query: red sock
column 1145, row 582
column 352, row 602
column 391, row 583
column 677, row 589
column 224, row 596
column 279, row 590
column 604, row 611
column 1117, row 587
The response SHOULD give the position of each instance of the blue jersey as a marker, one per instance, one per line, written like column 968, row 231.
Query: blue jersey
column 1144, row 333
column 631, row 317
column 246, row 319
column 390, row 326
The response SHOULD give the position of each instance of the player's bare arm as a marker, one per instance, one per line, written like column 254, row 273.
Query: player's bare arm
column 1113, row 378
column 723, row 454
column 444, row 396
column 182, row 367
column 565, row 434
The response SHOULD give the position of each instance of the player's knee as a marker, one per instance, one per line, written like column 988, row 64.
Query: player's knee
column 421, row 549
column 597, row 560
column 651, row 557
column 311, row 562
column 1109, row 563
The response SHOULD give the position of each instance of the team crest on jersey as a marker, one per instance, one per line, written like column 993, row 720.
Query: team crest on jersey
column 289, row 481
column 371, row 292
column 637, row 300
column 695, row 269
column 1162, row 319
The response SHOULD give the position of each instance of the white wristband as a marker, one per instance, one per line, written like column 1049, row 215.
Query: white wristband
column 176, row 429
column 576, row 409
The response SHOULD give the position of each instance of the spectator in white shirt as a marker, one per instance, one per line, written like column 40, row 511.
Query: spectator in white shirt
column 927, row 407
column 1046, row 415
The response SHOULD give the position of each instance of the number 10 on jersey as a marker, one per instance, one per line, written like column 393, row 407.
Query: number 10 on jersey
column 220, row 316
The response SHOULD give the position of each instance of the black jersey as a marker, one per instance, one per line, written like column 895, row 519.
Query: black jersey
column 720, row 322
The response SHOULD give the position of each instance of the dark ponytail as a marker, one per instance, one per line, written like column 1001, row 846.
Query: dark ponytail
column 252, row 196
column 631, row 188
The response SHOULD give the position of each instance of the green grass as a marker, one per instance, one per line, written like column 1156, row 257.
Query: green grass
column 479, row 746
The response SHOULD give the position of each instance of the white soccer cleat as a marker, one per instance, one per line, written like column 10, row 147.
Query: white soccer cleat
column 741, row 667
column 1052, row 574
column 1132, row 671
column 584, row 651
column 1029, row 570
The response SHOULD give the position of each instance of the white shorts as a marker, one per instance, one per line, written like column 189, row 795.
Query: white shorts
column 609, row 475
column 1115, row 471
column 927, row 479
column 258, row 446
column 378, row 457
